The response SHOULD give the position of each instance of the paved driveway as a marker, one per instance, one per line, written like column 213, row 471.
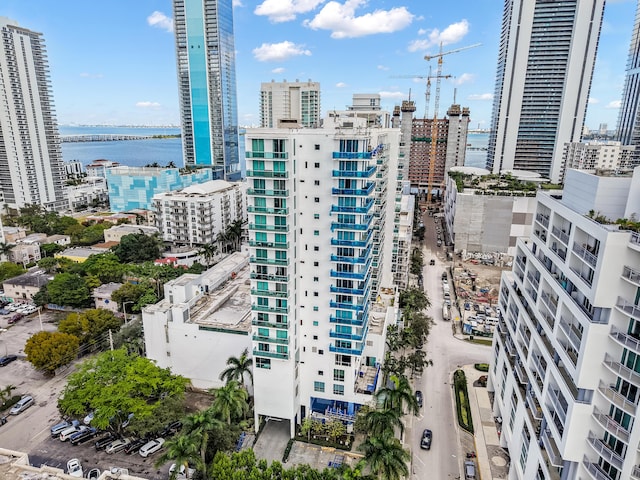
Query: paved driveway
column 273, row 440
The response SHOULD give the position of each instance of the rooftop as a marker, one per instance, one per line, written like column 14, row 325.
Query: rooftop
column 106, row 289
column 81, row 252
column 128, row 227
column 35, row 278
column 491, row 184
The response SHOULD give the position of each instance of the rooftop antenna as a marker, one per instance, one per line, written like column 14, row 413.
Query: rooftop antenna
column 455, row 91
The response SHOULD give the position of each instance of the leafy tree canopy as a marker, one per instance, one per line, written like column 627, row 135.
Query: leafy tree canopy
column 50, row 249
column 105, row 266
column 414, row 298
column 69, row 289
column 137, row 248
column 89, row 325
column 10, row 270
column 114, row 384
column 140, row 294
column 90, row 234
column 49, row 350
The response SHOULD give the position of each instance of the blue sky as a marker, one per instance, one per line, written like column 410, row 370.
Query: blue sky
column 113, row 62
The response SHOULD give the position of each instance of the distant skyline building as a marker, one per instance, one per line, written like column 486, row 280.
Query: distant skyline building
column 628, row 128
column 207, row 85
column 31, row 165
column 289, row 103
column 545, row 65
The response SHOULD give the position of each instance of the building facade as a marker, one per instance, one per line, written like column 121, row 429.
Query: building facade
column 295, row 104
column 628, row 129
column 564, row 371
column 92, row 191
column 207, row 85
column 592, row 156
column 133, row 188
column 545, row 64
column 322, row 220
column 196, row 215
column 31, row 166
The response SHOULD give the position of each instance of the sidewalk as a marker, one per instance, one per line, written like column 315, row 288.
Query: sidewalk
column 492, row 460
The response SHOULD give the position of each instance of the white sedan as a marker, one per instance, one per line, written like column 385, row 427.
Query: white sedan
column 151, row 447
column 74, row 468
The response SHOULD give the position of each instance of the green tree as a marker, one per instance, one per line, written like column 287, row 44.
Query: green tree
column 198, row 426
column 105, row 266
column 238, row 368
column 208, row 251
column 400, row 397
column 140, row 294
column 168, row 409
column 89, row 325
column 48, row 250
column 114, row 384
column 10, row 270
column 48, row 264
column 385, row 420
column 48, row 351
column 385, row 456
column 335, row 429
column 5, row 393
column 138, row 248
column 233, row 234
column 417, row 262
column 69, row 289
column 414, row 298
column 5, row 248
column 230, row 401
column 183, row 450
column 41, row 298
column 91, row 234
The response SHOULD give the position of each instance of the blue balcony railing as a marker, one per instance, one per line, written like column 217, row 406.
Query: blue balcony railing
column 268, row 228
column 267, row 155
column 343, row 209
column 267, row 174
column 347, row 321
column 353, row 173
column 346, row 351
column 267, row 193
column 352, row 155
column 368, row 188
column 347, row 291
column 352, row 243
column 350, row 275
column 346, row 336
column 362, row 226
column 347, row 306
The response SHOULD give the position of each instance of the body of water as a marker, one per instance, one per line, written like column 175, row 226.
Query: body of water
column 133, row 153
column 477, row 158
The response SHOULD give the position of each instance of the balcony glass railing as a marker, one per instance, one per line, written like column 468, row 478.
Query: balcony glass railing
column 262, row 308
column 344, row 209
column 267, row 193
column 351, row 275
column 270, row 354
column 632, row 275
column 585, row 254
column 346, row 351
column 351, row 155
column 281, row 341
column 255, row 243
column 262, row 323
column 273, row 211
column 267, row 155
column 551, row 448
column 269, row 261
column 346, row 336
column 365, row 191
column 626, row 340
column 268, row 228
column 269, row 277
column 605, row 451
column 347, row 321
column 594, row 470
column 560, row 235
column 542, row 219
column 610, row 425
column 347, row 306
column 622, row 371
column 269, row 293
column 628, row 308
column 347, row 291
column 354, row 173
column 616, row 398
column 267, row 174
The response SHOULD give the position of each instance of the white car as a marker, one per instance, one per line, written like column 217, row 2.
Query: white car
column 74, row 468
column 67, row 432
column 117, row 445
column 87, row 420
column 151, row 447
column 182, row 472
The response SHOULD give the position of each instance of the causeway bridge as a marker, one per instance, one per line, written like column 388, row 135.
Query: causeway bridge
column 101, row 137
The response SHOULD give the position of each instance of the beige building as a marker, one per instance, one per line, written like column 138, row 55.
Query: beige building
column 295, row 104
column 115, row 233
column 25, row 286
column 102, row 296
column 593, row 156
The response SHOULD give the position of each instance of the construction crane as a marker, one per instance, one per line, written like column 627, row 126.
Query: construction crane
column 434, row 125
column 428, row 89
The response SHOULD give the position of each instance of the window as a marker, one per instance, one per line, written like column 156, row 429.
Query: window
column 316, row 216
column 320, row 352
column 315, row 337
column 316, row 182
column 316, row 165
column 263, row 363
column 316, row 248
column 316, row 279
column 338, row 375
column 317, row 146
column 315, row 294
column 320, row 372
column 315, row 322
column 318, row 386
column 338, row 389
column 316, row 199
column 315, row 309
column 316, row 233
column 316, row 264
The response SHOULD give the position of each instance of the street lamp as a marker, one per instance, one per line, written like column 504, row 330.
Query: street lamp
column 124, row 309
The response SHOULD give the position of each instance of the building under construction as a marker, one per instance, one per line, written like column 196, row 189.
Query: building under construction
column 451, row 144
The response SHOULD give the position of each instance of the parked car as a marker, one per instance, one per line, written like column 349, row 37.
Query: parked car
column 7, row 359
column 419, row 398
column 74, row 468
column 24, row 403
column 3, row 420
column 59, row 427
column 4, row 311
column 135, row 445
column 93, row 474
column 14, row 318
column 67, row 432
column 117, row 445
column 88, row 418
column 469, row 470
column 425, row 442
column 127, row 420
column 104, row 441
column 182, row 472
column 84, row 435
column 171, row 429
column 151, row 447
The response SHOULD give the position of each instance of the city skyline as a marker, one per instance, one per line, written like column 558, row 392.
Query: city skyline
column 130, row 78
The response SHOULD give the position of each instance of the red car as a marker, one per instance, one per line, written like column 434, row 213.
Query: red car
column 15, row 318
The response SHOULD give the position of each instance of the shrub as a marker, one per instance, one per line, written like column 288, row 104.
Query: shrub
column 287, row 450
column 462, row 401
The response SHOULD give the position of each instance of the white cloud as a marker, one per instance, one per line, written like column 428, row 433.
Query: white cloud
column 277, row 52
column 593, row 101
column 237, row 3
column 91, row 75
column 384, row 94
column 160, row 20
column 480, row 96
column 464, row 78
column 285, row 10
column 147, row 104
column 614, row 104
column 343, row 22
column 382, row 67
column 452, row 34
column 422, row 31
column 341, row 84
column 278, row 70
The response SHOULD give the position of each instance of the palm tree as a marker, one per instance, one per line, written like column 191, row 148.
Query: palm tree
column 234, row 233
column 222, row 239
column 208, row 251
column 183, row 450
column 238, row 367
column 381, row 421
column 5, row 248
column 198, row 425
column 400, row 396
column 385, row 456
column 230, row 401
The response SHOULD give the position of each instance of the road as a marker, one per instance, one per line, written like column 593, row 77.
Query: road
column 447, row 352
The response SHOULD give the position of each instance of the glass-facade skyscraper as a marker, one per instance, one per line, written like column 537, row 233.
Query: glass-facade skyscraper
column 545, row 64
column 207, row 84
column 628, row 131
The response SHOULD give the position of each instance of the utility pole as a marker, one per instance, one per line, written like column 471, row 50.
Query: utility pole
column 110, row 340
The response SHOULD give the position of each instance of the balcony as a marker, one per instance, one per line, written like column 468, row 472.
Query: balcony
column 347, row 291
column 352, row 243
column 346, row 336
column 353, row 260
column 269, row 261
column 353, row 173
column 346, row 351
column 358, row 227
column 628, row 308
column 551, row 449
column 281, row 341
column 604, row 451
column 347, row 306
column 622, row 371
column 635, row 472
column 542, row 219
column 610, row 425
column 616, row 398
column 585, row 254
column 255, row 243
column 366, row 191
column 267, row 155
column 559, row 252
column 347, row 321
column 634, row 240
column 263, row 308
column 560, row 235
column 269, row 293
column 344, row 209
column 351, row 155
column 270, row 354
column 261, row 323
column 573, row 334
column 350, row 275
column 269, row 277
column 594, row 470
column 269, row 228
column 534, row 281
column 586, row 277
column 631, row 275
column 267, row 193
column 272, row 211
column 267, row 174
column 558, row 407
column 550, row 301
column 521, row 374
column 625, row 339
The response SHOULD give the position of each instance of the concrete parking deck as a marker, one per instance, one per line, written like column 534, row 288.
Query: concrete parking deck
column 273, row 440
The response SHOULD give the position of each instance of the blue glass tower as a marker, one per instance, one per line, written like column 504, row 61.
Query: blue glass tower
column 207, row 83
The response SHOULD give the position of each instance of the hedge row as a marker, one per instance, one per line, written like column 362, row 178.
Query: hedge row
column 463, row 408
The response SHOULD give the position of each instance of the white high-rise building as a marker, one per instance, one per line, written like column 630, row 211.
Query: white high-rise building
column 323, row 209
column 545, row 64
column 31, row 166
column 293, row 104
column 567, row 348
column 592, row 156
